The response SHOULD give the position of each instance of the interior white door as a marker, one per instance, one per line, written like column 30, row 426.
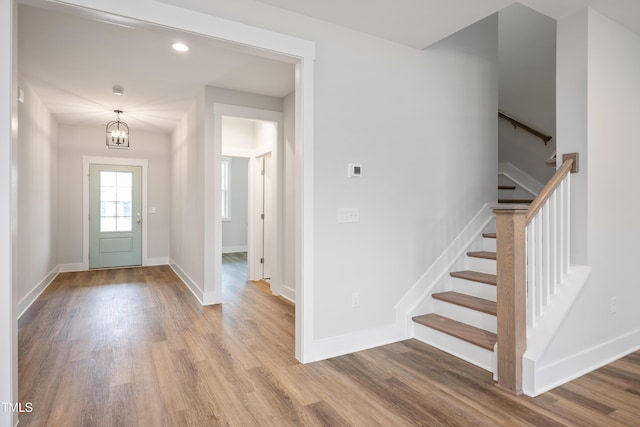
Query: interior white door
column 115, row 216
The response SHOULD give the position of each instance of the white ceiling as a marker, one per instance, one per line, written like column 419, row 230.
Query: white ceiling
column 420, row 23
column 416, row 23
column 73, row 60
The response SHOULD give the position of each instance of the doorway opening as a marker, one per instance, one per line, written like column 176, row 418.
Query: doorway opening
column 297, row 51
column 251, row 196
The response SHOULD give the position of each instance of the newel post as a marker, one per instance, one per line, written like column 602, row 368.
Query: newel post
column 511, row 294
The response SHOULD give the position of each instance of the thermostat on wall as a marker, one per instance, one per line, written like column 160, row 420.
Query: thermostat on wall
column 354, row 170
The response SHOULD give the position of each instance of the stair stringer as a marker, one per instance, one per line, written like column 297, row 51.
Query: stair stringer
column 537, row 378
column 436, row 279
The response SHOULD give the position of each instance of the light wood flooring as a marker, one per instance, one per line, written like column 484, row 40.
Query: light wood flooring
column 133, row 347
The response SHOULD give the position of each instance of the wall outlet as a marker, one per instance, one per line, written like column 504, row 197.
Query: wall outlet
column 613, row 305
column 355, row 300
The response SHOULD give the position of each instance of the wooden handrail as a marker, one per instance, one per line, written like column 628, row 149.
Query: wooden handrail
column 548, row 189
column 517, row 123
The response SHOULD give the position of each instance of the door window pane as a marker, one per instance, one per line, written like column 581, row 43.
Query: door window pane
column 107, row 224
column 116, row 194
column 108, row 179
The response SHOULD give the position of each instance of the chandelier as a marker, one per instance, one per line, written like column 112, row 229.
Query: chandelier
column 117, row 133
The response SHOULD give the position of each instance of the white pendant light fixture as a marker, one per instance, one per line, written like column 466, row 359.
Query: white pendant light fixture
column 117, row 133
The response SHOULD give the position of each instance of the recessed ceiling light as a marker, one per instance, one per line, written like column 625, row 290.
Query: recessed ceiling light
column 180, row 47
column 118, row 90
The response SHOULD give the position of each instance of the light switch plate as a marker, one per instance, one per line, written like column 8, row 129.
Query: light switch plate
column 348, row 215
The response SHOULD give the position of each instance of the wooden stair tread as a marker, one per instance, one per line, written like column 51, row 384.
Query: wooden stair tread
column 506, row 187
column 482, row 254
column 489, row 235
column 475, row 276
column 515, row 201
column 468, row 301
column 468, row 333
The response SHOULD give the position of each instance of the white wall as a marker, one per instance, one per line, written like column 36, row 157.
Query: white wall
column 571, row 107
column 238, row 137
column 234, row 230
column 606, row 67
column 37, row 196
column 397, row 111
column 192, row 159
column 78, row 141
column 187, row 208
column 527, row 78
column 246, row 137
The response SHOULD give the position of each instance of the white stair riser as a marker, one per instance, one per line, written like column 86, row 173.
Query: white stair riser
column 488, row 244
column 482, row 265
column 465, row 315
column 457, row 347
column 475, row 289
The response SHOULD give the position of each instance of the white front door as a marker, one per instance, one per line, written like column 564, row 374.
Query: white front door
column 115, row 216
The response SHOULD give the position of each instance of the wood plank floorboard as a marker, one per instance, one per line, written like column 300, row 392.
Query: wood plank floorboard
column 132, row 347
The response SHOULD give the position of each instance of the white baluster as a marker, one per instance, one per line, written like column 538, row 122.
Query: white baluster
column 531, row 274
column 553, row 241
column 538, row 265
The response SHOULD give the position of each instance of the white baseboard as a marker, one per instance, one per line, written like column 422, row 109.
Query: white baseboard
column 78, row 266
column 547, row 377
column 234, row 249
column 157, row 261
column 326, row 348
column 288, row 293
column 27, row 300
column 524, row 180
column 188, row 282
column 406, row 307
column 72, row 267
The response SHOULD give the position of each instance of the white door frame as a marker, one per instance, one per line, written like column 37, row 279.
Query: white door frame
column 226, row 110
column 120, row 161
column 8, row 209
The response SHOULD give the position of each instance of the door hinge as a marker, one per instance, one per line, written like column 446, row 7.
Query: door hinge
column 261, row 216
column 261, row 260
column 262, row 172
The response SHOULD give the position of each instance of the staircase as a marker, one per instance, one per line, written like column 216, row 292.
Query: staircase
column 495, row 293
column 466, row 312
